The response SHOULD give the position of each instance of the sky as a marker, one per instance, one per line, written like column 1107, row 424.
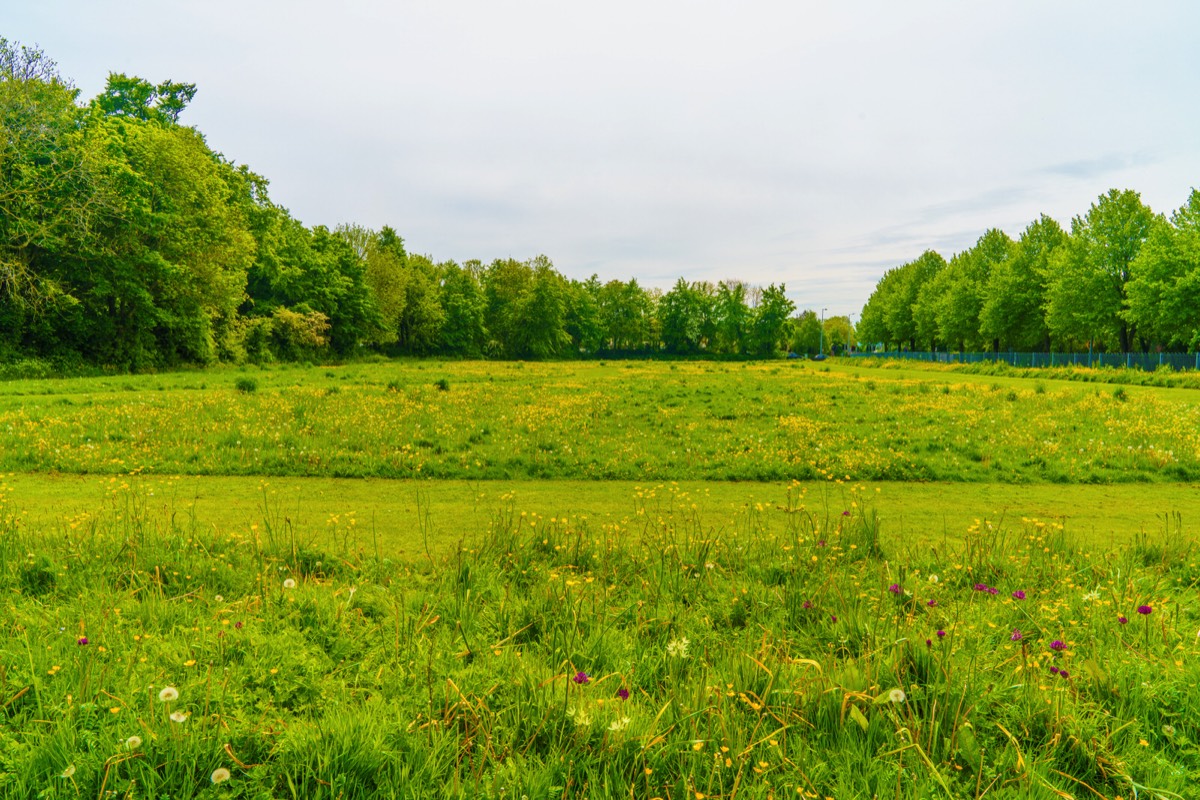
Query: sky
column 815, row 144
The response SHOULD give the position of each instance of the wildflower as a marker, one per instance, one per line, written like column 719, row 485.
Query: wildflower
column 941, row 634
column 992, row 590
column 1058, row 645
column 929, row 642
column 219, row 599
column 1062, row 673
column 290, row 583
column 1091, row 597
column 833, row 618
column 1054, row 670
column 807, row 604
column 1019, row 594
column 1123, row 620
column 220, row 775
column 897, row 696
column 931, row 602
column 69, row 771
column 981, row 587
column 133, row 743
column 623, row 693
column 821, row 543
column 678, row 648
column 179, row 716
column 1144, row 610
column 168, row 694
column 1016, row 635
column 1168, row 730
column 238, row 624
column 934, row 578
column 895, row 588
column 81, row 641
column 619, row 724
column 581, row 677
column 845, row 513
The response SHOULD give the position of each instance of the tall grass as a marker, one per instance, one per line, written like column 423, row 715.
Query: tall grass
column 804, row 654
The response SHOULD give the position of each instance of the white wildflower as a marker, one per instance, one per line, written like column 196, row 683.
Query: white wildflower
column 179, row 716
column 678, row 648
column 220, row 775
column 619, row 724
column 133, row 743
column 168, row 694
column 897, row 696
column 290, row 583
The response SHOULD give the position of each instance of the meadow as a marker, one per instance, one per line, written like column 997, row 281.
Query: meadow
column 582, row 602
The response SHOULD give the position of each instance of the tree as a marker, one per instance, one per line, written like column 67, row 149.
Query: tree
column 1015, row 296
column 839, row 334
column 134, row 97
column 1086, row 297
column 962, row 293
column 732, row 317
column 902, row 299
column 541, row 313
column 463, row 332
column 770, row 320
column 626, row 313
column 806, row 333
column 583, row 315
column 681, row 317
column 1164, row 285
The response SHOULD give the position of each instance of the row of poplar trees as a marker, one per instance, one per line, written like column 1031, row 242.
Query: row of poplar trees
column 1123, row 279
column 125, row 241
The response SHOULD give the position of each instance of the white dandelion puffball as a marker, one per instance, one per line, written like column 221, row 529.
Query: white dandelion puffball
column 168, row 694
column 290, row 583
column 133, row 743
column 220, row 775
column 897, row 696
column 179, row 717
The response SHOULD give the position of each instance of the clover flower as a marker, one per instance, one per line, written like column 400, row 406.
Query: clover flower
column 1145, row 611
column 1016, row 635
column 81, row 641
column 941, row 634
column 1019, row 594
column 1123, row 619
column 623, row 693
column 581, row 677
column 895, row 588
column 1058, row 645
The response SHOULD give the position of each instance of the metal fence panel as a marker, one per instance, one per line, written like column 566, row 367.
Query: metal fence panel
column 1144, row 361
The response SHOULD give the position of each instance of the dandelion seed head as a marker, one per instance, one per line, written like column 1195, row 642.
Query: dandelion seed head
column 897, row 696
column 168, row 694
column 220, row 775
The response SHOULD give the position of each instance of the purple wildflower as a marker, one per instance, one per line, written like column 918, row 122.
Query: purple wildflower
column 941, row 634
column 931, row 602
column 1055, row 670
column 845, row 513
column 895, row 588
column 1144, row 610
column 992, row 590
column 1019, row 594
column 238, row 624
column 929, row 642
column 1123, row 620
column 821, row 543
column 581, row 677
column 623, row 693
column 807, row 604
column 833, row 618
column 81, row 641
column 1057, row 645
column 1062, row 673
column 981, row 587
column 1016, row 635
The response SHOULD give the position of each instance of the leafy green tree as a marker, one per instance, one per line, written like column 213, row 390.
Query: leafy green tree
column 681, row 317
column 962, row 295
column 732, row 317
column 583, row 315
column 386, row 273
column 1086, row 295
column 770, row 320
column 902, row 299
column 626, row 315
column 506, row 283
column 1164, row 284
column 136, row 98
column 463, row 332
column 1015, row 297
column 419, row 328
column 806, row 333
column 873, row 325
column 839, row 334
column 541, row 313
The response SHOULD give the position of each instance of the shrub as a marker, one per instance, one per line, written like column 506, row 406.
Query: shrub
column 246, row 385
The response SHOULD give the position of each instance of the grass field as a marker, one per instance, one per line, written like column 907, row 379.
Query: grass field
column 549, row 580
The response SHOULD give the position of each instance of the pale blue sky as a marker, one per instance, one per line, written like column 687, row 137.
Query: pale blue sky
column 815, row 144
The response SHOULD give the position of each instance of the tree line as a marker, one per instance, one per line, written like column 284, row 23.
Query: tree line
column 127, row 242
column 1124, row 279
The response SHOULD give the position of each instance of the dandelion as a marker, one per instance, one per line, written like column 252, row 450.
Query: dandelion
column 1016, row 635
column 581, row 677
column 290, row 583
column 69, row 771
column 81, row 641
column 1019, row 594
column 1058, row 645
column 897, row 696
column 169, row 694
column 133, row 743
column 678, row 648
column 934, row 579
column 219, row 599
column 220, row 775
column 179, row 716
column 623, row 693
column 1145, row 611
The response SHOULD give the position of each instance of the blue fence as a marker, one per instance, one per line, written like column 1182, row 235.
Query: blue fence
column 1143, row 361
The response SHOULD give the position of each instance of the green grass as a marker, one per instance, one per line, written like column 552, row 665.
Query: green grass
column 639, row 421
column 404, row 517
column 760, row 660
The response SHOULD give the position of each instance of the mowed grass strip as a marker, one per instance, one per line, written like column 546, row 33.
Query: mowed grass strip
column 399, row 518
column 808, row 656
column 638, row 421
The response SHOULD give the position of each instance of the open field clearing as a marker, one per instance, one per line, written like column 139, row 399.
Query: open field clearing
column 637, row 421
column 404, row 517
column 817, row 658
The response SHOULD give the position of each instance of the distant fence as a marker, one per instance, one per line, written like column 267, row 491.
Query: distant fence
column 1142, row 361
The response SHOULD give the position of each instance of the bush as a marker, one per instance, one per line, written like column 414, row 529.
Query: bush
column 246, row 385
